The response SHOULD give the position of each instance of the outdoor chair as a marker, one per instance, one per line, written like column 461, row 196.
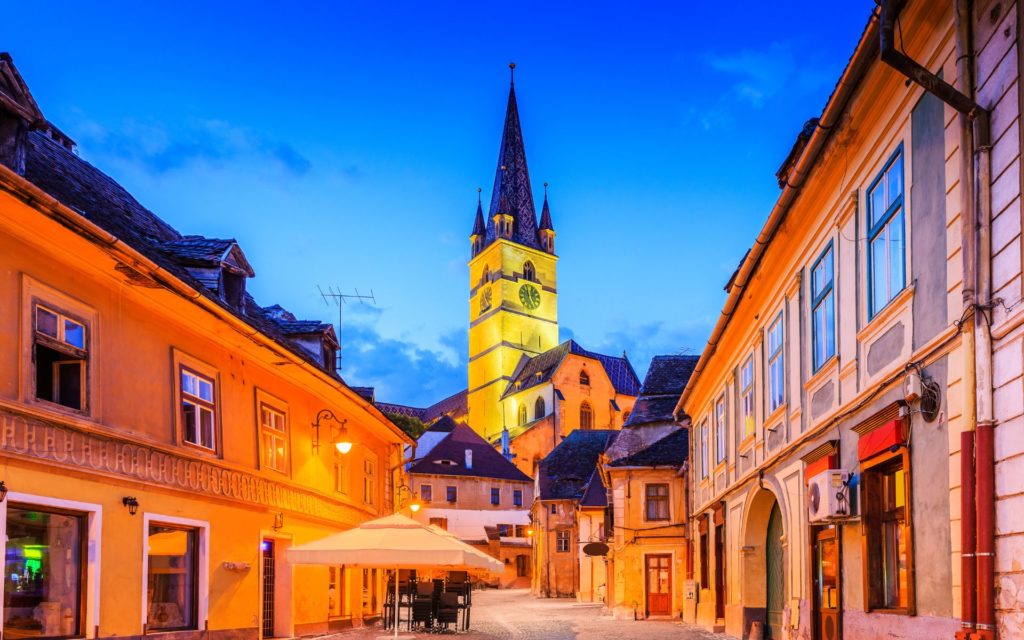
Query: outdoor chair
column 423, row 604
column 448, row 610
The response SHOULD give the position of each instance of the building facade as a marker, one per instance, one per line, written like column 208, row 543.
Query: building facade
column 160, row 447
column 828, row 410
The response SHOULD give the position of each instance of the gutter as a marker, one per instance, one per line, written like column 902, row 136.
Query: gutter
column 121, row 252
column 862, row 59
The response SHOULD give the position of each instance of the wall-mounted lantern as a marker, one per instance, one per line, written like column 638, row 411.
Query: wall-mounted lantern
column 131, row 503
column 341, row 440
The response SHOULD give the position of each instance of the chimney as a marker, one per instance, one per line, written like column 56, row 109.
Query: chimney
column 469, row 458
column 18, row 114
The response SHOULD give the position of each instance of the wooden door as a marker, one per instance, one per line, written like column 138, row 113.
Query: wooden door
column 658, row 576
column 826, row 585
column 776, row 588
column 720, row 571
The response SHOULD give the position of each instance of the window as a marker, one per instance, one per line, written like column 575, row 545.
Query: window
column 440, row 522
column 522, row 415
column 886, row 239
column 776, row 369
column 505, row 530
column 529, row 271
column 747, row 397
column 273, row 429
column 43, row 573
column 562, row 541
column 520, row 530
column 539, row 409
column 554, row 509
column 521, row 565
column 823, row 311
column 517, row 497
column 340, row 475
column 198, row 409
column 889, row 549
column 495, row 495
column 452, row 494
column 426, row 492
column 656, row 502
column 60, row 350
column 720, row 429
column 172, row 578
column 369, row 482
column 703, row 436
column 586, row 417
column 584, row 378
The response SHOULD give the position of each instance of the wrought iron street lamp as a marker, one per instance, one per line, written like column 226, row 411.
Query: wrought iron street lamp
column 341, row 440
column 408, row 498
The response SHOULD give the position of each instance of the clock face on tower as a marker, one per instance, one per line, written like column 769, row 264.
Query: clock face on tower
column 529, row 296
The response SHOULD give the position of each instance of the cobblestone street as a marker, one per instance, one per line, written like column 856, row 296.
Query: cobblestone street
column 513, row 614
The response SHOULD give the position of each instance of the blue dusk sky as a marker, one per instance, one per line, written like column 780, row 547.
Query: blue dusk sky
column 342, row 144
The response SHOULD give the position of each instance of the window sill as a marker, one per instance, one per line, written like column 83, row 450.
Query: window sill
column 778, row 412
column 881, row 320
column 894, row 612
column 746, row 443
column 824, row 371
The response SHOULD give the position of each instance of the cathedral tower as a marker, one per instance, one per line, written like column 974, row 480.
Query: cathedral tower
column 513, row 303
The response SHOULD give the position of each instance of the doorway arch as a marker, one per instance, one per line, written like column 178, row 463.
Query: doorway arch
column 762, row 586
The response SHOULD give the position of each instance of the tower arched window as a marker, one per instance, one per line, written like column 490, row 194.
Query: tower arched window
column 586, row 416
column 522, row 415
column 486, row 276
column 584, row 378
column 539, row 409
column 529, row 271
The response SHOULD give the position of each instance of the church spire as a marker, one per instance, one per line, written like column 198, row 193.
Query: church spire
column 545, row 213
column 512, row 195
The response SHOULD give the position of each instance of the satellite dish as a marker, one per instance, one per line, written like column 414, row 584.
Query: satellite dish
column 595, row 549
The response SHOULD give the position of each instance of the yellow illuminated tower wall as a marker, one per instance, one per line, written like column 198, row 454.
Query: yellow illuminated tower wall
column 513, row 305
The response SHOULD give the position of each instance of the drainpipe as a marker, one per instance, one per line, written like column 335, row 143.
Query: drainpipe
column 977, row 498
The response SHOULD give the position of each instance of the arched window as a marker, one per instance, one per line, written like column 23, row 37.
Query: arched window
column 486, row 276
column 529, row 271
column 522, row 415
column 586, row 416
column 584, row 378
column 538, row 409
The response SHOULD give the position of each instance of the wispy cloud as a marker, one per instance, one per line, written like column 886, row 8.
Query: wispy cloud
column 762, row 74
column 161, row 149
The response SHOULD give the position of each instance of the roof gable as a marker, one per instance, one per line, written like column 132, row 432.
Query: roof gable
column 448, row 457
column 539, row 369
column 670, row 451
column 565, row 473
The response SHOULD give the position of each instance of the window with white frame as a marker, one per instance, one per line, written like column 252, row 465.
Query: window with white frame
column 172, row 577
column 562, row 541
column 198, row 409
column 426, row 493
column 60, row 352
column 776, row 365
column 747, row 397
column 823, row 310
column 720, row 429
column 274, row 434
column 340, row 474
column 703, row 436
column 886, row 235
column 369, row 481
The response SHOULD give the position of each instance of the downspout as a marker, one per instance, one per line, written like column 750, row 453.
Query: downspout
column 977, row 442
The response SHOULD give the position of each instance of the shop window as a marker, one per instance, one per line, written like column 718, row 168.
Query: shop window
column 888, row 547
column 43, row 573
column 656, row 502
column 562, row 541
column 517, row 497
column 274, row 433
column 886, row 235
column 586, row 416
column 747, row 397
column 60, row 352
column 823, row 310
column 495, row 496
column 452, row 494
column 720, row 429
column 198, row 410
column 172, row 578
column 776, row 365
column 539, row 410
column 426, row 492
column 523, row 419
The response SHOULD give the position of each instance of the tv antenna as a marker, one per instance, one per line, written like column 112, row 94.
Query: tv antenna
column 334, row 296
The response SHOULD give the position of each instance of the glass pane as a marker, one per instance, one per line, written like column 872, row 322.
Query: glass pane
column 74, row 334
column 879, row 273
column 46, row 322
column 876, row 202
column 189, row 422
column 188, row 383
column 894, row 178
column 205, row 390
column 171, row 583
column 830, row 327
column 896, row 242
column 42, row 574
column 206, row 427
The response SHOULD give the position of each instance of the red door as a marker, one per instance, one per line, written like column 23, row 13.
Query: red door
column 659, row 585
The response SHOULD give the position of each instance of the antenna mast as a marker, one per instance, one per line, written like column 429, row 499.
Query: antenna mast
column 334, row 296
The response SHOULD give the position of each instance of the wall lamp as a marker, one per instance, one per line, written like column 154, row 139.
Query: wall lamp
column 408, row 498
column 340, row 439
column 131, row 503
column 3, row 490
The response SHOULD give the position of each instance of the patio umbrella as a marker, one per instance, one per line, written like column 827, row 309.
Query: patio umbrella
column 395, row 542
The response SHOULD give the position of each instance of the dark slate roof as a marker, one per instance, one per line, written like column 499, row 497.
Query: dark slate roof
column 402, row 410
column 487, row 462
column 619, row 370
column 670, row 451
column 453, row 405
column 596, row 494
column 75, row 183
column 512, row 193
column 665, row 380
column 479, row 228
column 545, row 214
column 565, row 473
column 444, row 425
column 366, row 393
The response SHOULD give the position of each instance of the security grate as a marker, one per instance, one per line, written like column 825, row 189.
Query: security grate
column 268, row 588
column 776, row 586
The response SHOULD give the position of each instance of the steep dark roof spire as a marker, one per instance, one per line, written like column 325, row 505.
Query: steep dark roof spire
column 512, row 193
column 545, row 213
column 478, row 223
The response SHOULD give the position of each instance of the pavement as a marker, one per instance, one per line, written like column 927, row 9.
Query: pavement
column 513, row 614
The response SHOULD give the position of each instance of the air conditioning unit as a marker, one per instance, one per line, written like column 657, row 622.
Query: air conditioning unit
column 828, row 496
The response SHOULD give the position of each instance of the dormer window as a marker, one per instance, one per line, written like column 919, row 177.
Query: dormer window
column 446, row 463
column 233, row 285
column 330, row 355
